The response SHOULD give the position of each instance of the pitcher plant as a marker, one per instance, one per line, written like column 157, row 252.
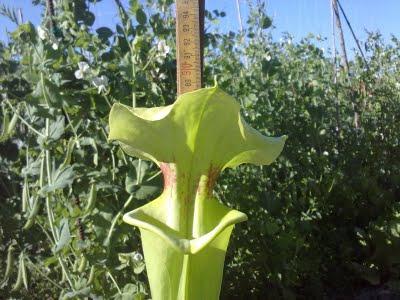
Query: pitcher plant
column 186, row 230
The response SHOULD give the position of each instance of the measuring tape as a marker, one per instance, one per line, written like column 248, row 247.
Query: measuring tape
column 188, row 42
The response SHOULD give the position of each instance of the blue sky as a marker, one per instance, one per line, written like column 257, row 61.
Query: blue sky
column 298, row 17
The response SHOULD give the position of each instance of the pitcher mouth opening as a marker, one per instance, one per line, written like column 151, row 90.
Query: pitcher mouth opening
column 144, row 220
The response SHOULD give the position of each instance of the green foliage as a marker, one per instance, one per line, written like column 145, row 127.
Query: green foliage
column 323, row 219
column 10, row 13
column 64, row 187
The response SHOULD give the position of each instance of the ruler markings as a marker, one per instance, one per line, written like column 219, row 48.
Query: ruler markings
column 188, row 45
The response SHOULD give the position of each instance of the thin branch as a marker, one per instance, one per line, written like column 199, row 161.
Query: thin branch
column 114, row 281
column 9, row 13
column 116, row 218
column 43, row 274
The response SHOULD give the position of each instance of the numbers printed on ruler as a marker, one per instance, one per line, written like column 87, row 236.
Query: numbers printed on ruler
column 188, row 46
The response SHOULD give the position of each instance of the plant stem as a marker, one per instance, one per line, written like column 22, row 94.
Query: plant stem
column 47, row 234
column 107, row 100
column 116, row 218
column 150, row 59
column 115, row 282
column 43, row 274
column 48, row 207
column 72, row 126
column 139, row 172
column 24, row 121
column 154, row 176
column 113, row 165
column 50, row 213
column 44, row 90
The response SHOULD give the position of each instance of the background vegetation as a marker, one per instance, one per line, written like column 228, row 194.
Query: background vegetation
column 323, row 219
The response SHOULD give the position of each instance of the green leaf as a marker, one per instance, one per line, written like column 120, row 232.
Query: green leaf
column 120, row 30
column 104, row 32
column 61, row 178
column 82, row 293
column 139, row 268
column 265, row 22
column 130, row 292
column 26, row 32
column 56, row 128
column 146, row 191
column 48, row 91
column 50, row 261
column 65, row 236
column 134, row 178
column 141, row 16
column 32, row 168
column 131, row 182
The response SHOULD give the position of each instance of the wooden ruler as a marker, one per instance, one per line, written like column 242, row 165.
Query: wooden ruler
column 189, row 30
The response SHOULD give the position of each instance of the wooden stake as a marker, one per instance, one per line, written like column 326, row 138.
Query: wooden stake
column 189, row 44
column 345, row 61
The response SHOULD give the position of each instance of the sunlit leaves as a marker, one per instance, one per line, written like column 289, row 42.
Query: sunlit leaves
column 138, row 183
column 61, row 178
column 64, row 236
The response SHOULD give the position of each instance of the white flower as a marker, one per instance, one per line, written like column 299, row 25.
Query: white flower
column 101, row 83
column 41, row 33
column 325, row 153
column 137, row 257
column 268, row 57
column 82, row 71
column 163, row 48
column 162, row 76
column 54, row 46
